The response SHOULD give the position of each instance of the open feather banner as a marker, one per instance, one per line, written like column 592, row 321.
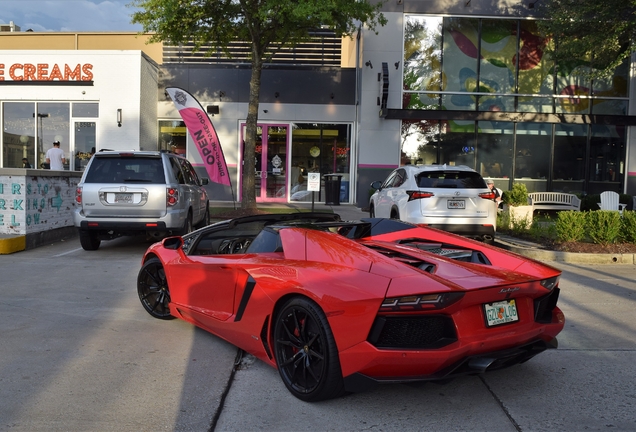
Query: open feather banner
column 203, row 133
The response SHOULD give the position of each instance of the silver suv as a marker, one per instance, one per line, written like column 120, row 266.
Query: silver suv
column 454, row 198
column 138, row 192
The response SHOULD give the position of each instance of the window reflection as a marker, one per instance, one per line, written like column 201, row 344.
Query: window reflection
column 494, row 156
column 319, row 148
column 18, row 134
column 532, row 155
column 568, row 172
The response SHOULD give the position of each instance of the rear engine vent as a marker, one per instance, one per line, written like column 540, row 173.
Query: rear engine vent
column 406, row 259
column 448, row 251
column 417, row 332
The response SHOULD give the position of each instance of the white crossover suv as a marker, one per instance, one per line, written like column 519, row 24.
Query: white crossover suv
column 448, row 197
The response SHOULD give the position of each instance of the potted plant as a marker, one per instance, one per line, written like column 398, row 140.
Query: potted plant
column 518, row 204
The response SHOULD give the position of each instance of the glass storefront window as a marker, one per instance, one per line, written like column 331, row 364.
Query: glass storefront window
column 532, row 155
column 568, row 172
column 322, row 148
column 606, row 159
column 497, row 64
column 535, row 104
column 82, row 109
column 53, row 125
column 494, row 151
column 536, row 69
column 420, row 141
column 457, row 143
column 18, row 134
column 423, row 53
column 172, row 136
column 493, row 59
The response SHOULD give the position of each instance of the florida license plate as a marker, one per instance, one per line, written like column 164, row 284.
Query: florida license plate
column 501, row 312
column 123, row 198
column 456, row 204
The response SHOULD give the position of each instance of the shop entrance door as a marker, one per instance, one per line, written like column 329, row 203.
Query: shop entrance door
column 84, row 144
column 271, row 162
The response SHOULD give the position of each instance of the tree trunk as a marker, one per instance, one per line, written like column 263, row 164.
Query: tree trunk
column 248, row 200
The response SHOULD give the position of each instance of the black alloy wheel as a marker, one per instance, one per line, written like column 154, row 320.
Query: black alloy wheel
column 306, row 352
column 152, row 287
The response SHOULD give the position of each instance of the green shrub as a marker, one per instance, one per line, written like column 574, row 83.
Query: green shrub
column 517, row 196
column 604, row 226
column 503, row 221
column 543, row 230
column 570, row 226
column 629, row 226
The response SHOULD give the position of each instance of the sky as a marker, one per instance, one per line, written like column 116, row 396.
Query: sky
column 68, row 15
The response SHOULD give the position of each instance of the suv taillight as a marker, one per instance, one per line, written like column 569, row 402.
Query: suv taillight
column 487, row 195
column 413, row 195
column 78, row 195
column 172, row 196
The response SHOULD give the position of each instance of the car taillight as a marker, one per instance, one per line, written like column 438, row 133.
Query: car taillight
column 172, row 196
column 78, row 195
column 420, row 302
column 413, row 195
column 487, row 195
column 550, row 283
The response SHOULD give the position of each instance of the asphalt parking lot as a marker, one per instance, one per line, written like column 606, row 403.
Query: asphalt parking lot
column 80, row 354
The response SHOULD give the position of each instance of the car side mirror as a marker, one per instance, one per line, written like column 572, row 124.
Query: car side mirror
column 172, row 243
column 376, row 184
column 204, row 181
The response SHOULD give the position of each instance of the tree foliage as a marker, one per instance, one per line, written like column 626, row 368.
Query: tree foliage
column 268, row 24
column 601, row 33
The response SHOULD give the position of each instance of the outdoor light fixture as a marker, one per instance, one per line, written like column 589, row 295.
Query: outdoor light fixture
column 368, row 63
column 397, row 65
column 221, row 94
column 119, row 117
column 276, row 95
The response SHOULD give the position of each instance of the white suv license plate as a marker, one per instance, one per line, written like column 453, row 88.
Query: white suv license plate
column 501, row 312
column 456, row 204
column 123, row 198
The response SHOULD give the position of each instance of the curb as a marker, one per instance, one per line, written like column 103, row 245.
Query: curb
column 535, row 252
column 12, row 243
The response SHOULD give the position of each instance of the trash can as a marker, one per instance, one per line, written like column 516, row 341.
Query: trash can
column 332, row 188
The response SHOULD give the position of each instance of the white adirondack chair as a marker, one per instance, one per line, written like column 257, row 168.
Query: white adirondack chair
column 609, row 201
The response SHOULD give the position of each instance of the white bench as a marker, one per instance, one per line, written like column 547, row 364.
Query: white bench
column 554, row 201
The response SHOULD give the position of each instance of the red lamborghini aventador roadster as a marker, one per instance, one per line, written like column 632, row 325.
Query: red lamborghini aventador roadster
column 342, row 306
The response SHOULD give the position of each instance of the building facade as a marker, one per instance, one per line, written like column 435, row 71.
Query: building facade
column 448, row 82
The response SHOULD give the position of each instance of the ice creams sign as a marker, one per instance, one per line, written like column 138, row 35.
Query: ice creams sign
column 46, row 72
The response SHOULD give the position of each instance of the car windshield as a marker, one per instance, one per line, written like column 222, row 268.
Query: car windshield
column 126, row 169
column 450, row 179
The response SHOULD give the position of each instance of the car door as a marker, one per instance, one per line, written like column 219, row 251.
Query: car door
column 197, row 193
column 207, row 286
column 383, row 200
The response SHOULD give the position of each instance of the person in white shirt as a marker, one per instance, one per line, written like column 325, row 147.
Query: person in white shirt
column 55, row 157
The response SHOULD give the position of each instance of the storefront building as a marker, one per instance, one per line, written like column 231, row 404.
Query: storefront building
column 443, row 82
column 471, row 84
column 86, row 100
